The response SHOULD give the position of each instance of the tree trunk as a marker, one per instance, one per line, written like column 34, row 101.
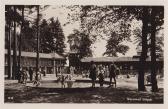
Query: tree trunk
column 14, row 71
column 153, row 51
column 9, row 50
column 143, row 57
column 37, row 49
column 20, row 39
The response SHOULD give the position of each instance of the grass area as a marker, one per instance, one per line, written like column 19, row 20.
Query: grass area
column 19, row 93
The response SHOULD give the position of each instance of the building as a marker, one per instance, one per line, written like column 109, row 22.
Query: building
column 51, row 62
column 126, row 64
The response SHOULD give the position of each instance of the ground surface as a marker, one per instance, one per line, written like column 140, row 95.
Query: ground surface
column 126, row 92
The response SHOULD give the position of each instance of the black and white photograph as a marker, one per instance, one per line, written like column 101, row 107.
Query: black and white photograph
column 101, row 54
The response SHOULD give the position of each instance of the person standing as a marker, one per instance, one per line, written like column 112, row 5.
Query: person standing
column 112, row 74
column 44, row 71
column 63, row 81
column 72, row 70
column 117, row 72
column 31, row 73
column 19, row 75
column 37, row 78
column 25, row 75
column 106, row 72
column 101, row 76
column 92, row 75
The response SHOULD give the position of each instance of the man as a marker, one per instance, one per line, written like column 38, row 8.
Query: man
column 112, row 74
column 92, row 75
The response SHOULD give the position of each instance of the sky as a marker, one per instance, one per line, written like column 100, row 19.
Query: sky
column 98, row 47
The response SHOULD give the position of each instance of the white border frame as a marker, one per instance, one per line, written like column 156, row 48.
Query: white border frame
column 81, row 2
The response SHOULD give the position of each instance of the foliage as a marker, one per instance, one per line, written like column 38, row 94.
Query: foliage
column 28, row 38
column 101, row 21
column 80, row 43
column 52, row 37
column 159, row 39
column 114, row 46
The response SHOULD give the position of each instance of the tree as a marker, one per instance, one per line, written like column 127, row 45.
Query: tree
column 14, row 71
column 127, row 14
column 153, row 50
column 52, row 37
column 102, row 19
column 143, row 56
column 44, row 37
column 85, row 44
column 114, row 46
column 37, row 43
column 80, row 43
column 155, row 42
column 157, row 16
column 119, row 34
column 137, row 32
column 60, row 38
column 28, row 38
column 8, row 38
column 12, row 18
column 20, row 38
column 100, row 22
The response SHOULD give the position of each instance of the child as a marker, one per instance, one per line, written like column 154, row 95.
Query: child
column 63, row 78
column 37, row 79
column 69, row 81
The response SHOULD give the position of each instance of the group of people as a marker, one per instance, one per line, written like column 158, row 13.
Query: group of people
column 100, row 74
column 25, row 73
column 66, row 79
column 95, row 72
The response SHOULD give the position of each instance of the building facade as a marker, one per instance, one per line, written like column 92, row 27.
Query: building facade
column 51, row 63
column 125, row 64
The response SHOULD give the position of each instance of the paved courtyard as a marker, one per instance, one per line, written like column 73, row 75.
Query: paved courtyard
column 51, row 92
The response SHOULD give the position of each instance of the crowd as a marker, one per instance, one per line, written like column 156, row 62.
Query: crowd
column 67, row 74
column 30, row 73
column 101, row 72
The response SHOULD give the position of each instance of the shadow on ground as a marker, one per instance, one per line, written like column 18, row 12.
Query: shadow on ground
column 19, row 93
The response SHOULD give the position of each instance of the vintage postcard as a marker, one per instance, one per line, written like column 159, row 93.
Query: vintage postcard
column 76, row 52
